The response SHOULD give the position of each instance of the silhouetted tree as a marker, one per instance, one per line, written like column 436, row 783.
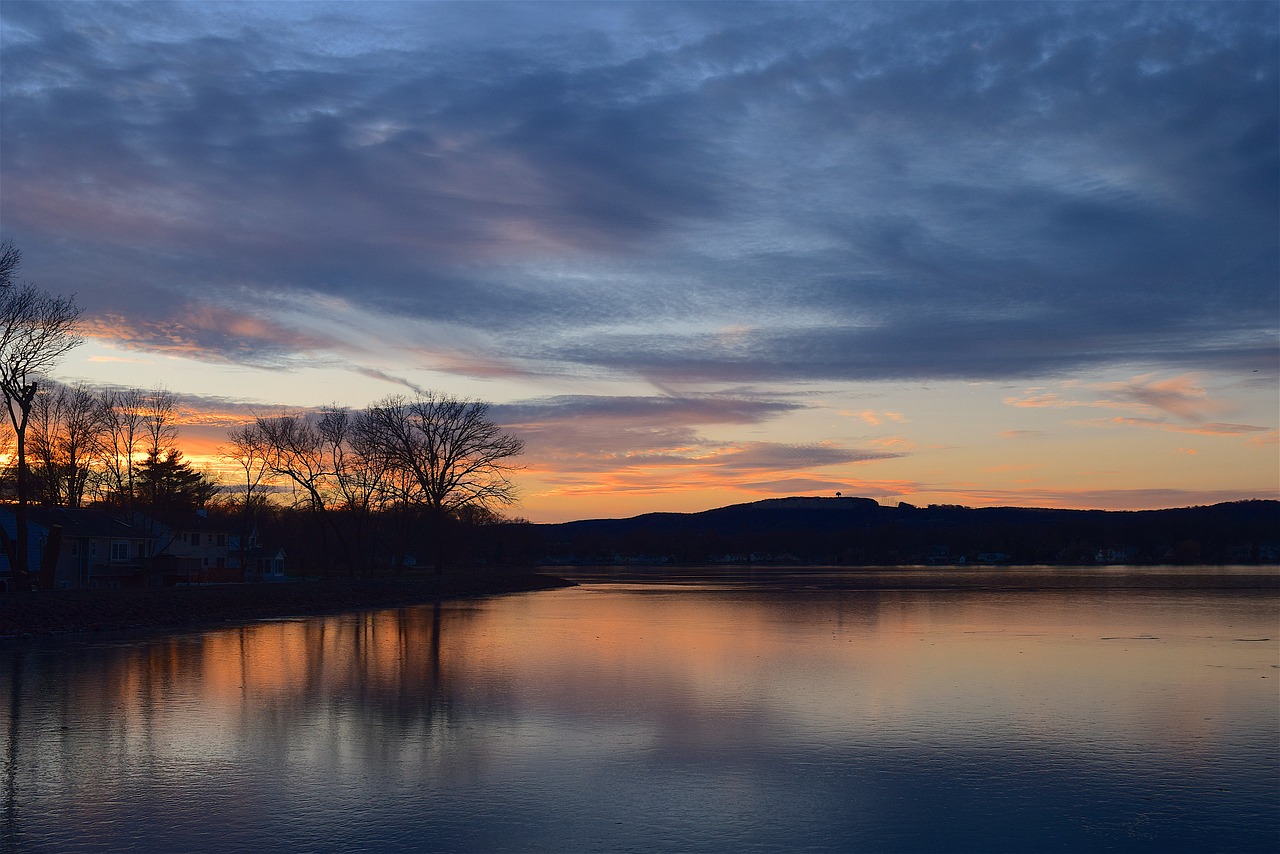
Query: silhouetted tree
column 124, row 428
column 455, row 458
column 357, row 477
column 36, row 330
column 170, row 482
column 297, row 451
column 10, row 261
column 159, row 419
column 66, row 427
column 247, row 447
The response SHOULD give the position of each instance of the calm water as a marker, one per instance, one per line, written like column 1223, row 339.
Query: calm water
column 675, row 713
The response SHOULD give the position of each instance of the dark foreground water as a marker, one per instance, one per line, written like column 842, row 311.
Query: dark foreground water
column 756, row 711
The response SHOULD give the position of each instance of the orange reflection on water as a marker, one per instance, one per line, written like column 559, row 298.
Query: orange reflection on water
column 662, row 667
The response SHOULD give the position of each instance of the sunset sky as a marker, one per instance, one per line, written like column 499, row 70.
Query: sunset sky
column 694, row 253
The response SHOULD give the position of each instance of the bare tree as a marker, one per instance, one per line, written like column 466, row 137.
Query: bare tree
column 456, row 457
column 10, row 261
column 159, row 420
column 124, row 412
column 36, row 330
column 357, row 472
column 247, row 447
column 66, row 433
column 294, row 452
column 298, row 452
column 9, row 473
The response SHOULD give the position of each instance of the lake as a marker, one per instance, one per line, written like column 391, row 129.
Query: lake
column 674, row 710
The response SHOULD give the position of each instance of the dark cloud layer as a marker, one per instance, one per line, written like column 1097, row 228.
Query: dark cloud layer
column 688, row 192
column 612, row 445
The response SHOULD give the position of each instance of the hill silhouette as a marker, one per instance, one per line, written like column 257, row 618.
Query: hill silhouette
column 859, row 531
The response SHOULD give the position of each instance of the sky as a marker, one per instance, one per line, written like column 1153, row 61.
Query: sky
column 693, row 254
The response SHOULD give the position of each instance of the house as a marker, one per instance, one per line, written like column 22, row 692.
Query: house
column 190, row 548
column 266, row 564
column 261, row 563
column 93, row 548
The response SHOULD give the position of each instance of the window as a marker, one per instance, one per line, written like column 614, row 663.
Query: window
column 119, row 550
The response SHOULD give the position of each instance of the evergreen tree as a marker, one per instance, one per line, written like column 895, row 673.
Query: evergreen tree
column 170, row 483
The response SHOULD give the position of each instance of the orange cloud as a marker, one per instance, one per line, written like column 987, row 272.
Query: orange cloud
column 877, row 418
column 1266, row 440
column 681, row 469
column 205, row 332
column 1215, row 429
column 1039, row 401
column 113, row 359
column 1178, row 396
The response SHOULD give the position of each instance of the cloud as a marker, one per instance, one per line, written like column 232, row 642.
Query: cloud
column 209, row 333
column 1205, row 429
column 1268, row 439
column 773, row 456
column 861, row 192
column 649, row 410
column 722, row 466
column 1039, row 399
column 120, row 360
column 1022, row 434
column 596, row 445
column 940, row 347
column 376, row 374
column 1177, row 396
column 875, row 419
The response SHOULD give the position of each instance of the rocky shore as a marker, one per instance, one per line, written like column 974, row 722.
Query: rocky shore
column 67, row 611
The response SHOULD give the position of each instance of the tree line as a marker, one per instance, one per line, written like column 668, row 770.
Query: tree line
column 386, row 485
column 110, row 447
column 401, row 480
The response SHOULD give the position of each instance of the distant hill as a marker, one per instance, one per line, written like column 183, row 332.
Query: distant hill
column 855, row 531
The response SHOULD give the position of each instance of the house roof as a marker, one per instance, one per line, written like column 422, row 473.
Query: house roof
column 81, row 522
column 189, row 521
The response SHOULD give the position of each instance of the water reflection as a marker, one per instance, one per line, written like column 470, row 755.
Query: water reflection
column 683, row 717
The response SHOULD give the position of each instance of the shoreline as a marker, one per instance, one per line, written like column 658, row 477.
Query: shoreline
column 79, row 612
column 72, row 613
column 1030, row 579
